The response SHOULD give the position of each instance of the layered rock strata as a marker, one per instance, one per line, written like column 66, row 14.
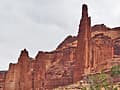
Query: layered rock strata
column 94, row 49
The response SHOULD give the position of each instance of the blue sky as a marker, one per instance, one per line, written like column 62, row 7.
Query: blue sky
column 40, row 25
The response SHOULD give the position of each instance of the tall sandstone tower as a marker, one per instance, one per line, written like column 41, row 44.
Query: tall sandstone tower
column 83, row 45
column 94, row 49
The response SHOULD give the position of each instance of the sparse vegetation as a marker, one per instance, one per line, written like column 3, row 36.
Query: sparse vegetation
column 97, row 81
column 115, row 71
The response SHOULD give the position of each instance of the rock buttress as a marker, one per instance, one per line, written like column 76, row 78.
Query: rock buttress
column 83, row 45
column 18, row 76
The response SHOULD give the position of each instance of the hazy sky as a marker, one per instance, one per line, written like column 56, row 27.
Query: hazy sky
column 42, row 24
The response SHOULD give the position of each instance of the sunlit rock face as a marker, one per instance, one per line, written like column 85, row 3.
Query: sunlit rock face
column 94, row 49
column 18, row 76
column 83, row 45
column 101, row 50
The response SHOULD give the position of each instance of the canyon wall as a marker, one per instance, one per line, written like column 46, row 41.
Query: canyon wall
column 94, row 49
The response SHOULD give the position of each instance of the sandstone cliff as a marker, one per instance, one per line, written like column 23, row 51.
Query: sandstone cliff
column 95, row 48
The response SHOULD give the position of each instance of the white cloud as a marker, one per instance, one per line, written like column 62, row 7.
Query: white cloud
column 43, row 24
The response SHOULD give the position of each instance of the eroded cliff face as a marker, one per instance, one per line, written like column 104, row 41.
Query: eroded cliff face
column 18, row 76
column 83, row 45
column 94, row 49
column 2, row 79
column 46, row 71
column 110, row 32
column 101, row 50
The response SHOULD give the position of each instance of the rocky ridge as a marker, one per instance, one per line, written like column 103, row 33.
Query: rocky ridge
column 94, row 49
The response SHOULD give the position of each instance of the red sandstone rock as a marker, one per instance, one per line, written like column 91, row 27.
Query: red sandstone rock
column 92, row 50
column 2, row 79
column 83, row 45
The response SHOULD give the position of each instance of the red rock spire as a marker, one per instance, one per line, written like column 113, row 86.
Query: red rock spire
column 24, row 53
column 84, row 11
column 85, row 20
column 23, row 56
column 83, row 45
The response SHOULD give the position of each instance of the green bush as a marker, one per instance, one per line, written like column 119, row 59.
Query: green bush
column 115, row 71
column 98, row 81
